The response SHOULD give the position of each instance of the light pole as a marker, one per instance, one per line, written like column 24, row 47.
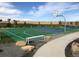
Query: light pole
column 64, row 21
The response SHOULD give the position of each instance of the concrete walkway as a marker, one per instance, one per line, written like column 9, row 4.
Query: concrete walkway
column 56, row 47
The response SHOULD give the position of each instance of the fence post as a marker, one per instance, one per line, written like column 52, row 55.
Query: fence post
column 28, row 41
column 44, row 37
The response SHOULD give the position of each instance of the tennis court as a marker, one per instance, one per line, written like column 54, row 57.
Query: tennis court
column 23, row 33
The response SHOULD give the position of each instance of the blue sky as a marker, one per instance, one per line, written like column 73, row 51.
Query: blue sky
column 40, row 11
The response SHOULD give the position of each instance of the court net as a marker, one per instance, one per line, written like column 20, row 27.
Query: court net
column 35, row 38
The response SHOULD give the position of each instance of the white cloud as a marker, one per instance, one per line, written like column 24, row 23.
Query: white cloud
column 14, row 17
column 5, row 17
column 8, row 8
column 21, row 19
column 51, row 7
column 4, row 10
column 25, row 19
column 5, row 4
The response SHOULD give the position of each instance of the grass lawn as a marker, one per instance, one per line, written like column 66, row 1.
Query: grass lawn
column 5, row 39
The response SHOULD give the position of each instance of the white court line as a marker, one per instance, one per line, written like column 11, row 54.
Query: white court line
column 27, row 34
column 15, row 34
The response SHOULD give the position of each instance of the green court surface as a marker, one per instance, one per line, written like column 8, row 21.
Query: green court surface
column 23, row 33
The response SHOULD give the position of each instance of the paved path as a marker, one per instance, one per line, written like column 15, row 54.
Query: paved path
column 56, row 48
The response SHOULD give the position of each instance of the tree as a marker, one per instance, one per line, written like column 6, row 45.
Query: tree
column 60, row 23
column 0, row 20
column 15, row 23
column 8, row 24
column 9, row 20
column 24, row 23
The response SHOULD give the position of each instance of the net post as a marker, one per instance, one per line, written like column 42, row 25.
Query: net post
column 44, row 37
column 27, row 40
